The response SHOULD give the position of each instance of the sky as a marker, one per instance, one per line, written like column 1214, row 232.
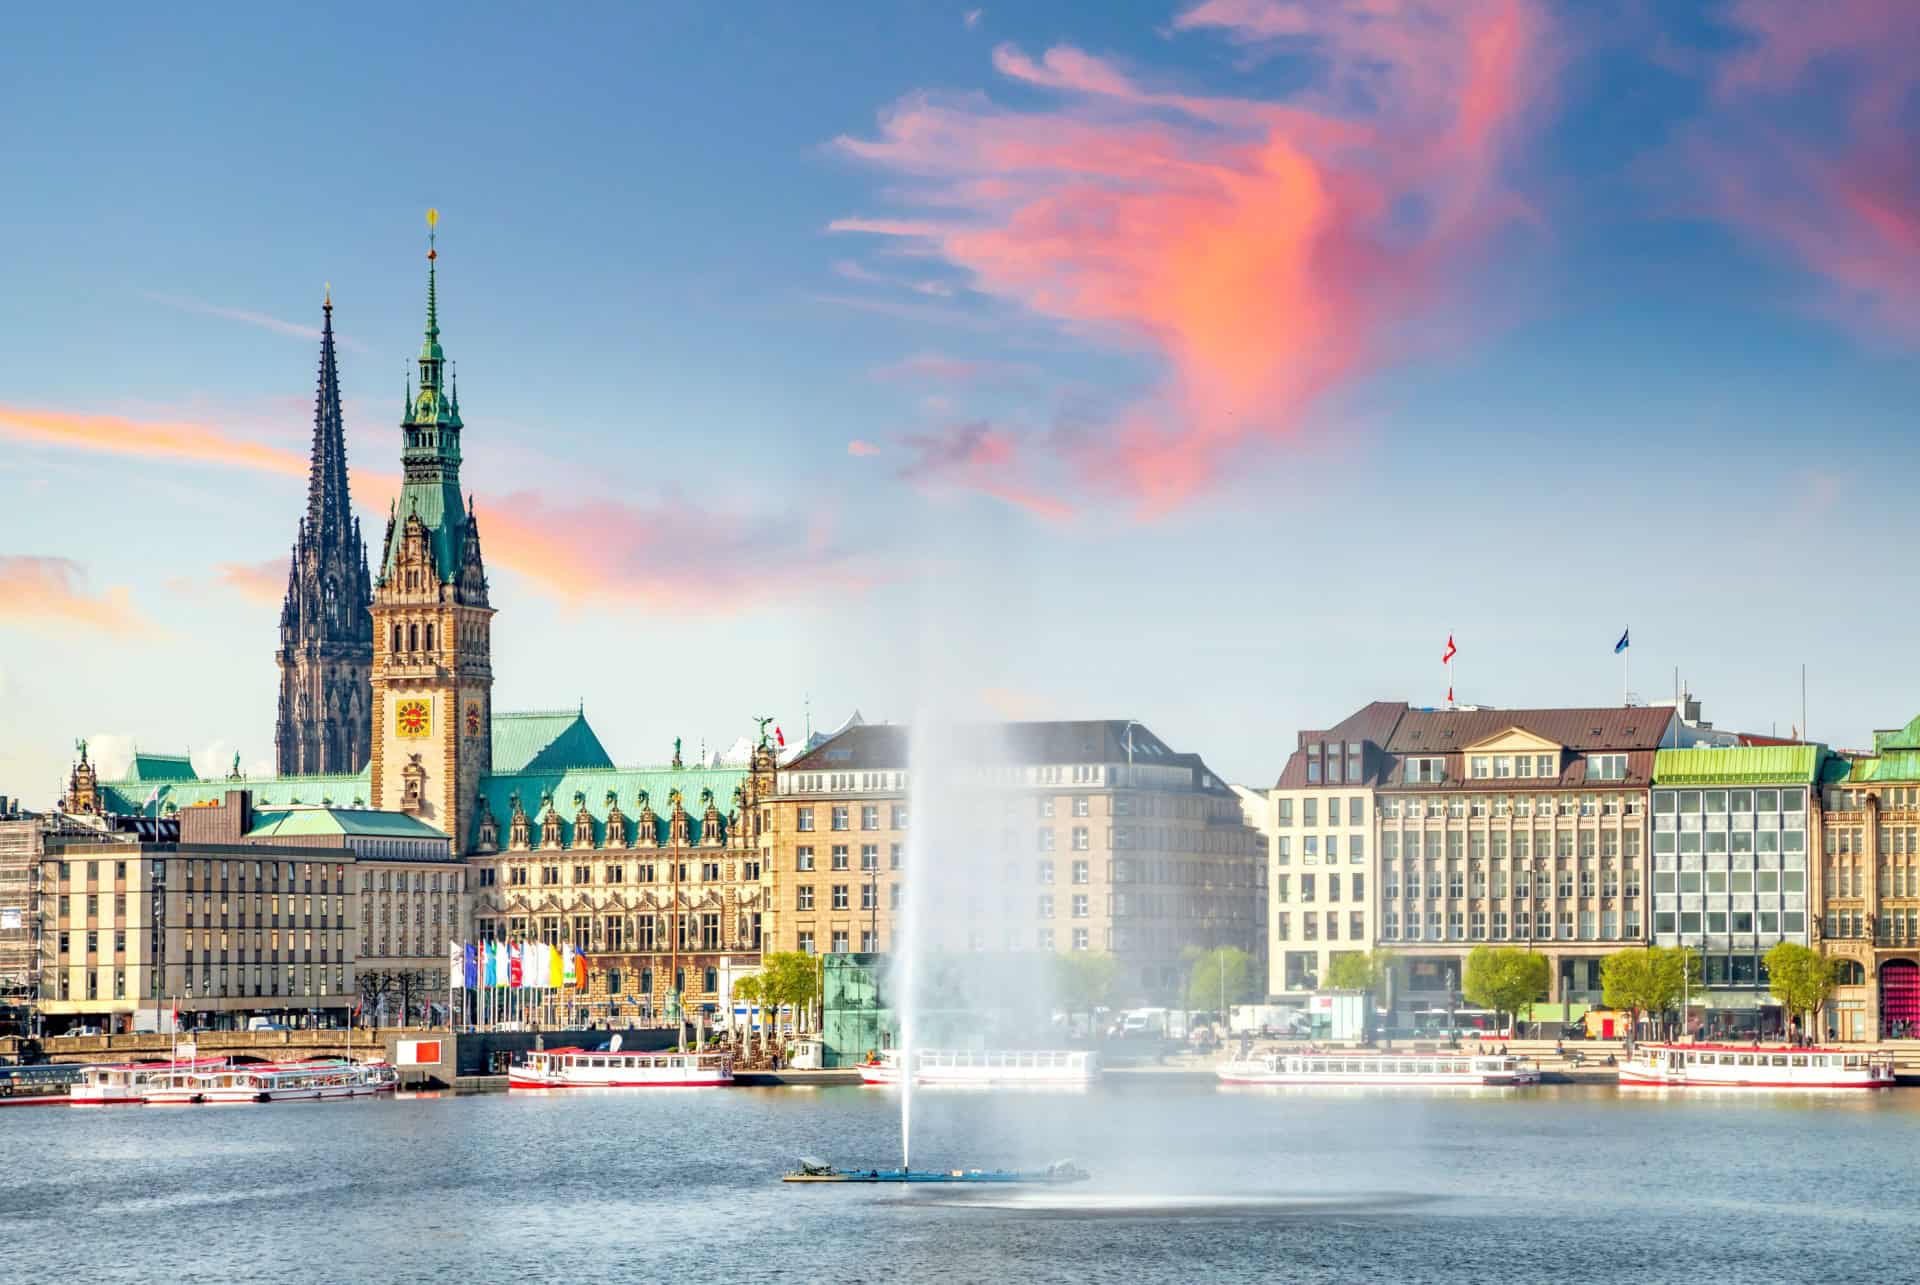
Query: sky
column 1203, row 362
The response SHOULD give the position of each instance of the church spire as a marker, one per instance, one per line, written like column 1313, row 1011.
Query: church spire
column 329, row 507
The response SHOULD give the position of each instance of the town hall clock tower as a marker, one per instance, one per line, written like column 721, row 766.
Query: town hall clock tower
column 432, row 668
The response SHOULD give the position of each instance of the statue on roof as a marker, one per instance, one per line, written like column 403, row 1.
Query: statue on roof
column 677, row 764
column 706, row 796
column 234, row 775
column 579, row 799
column 762, row 723
column 645, row 801
column 81, row 745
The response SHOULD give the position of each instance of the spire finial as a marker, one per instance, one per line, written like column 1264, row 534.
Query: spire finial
column 328, row 304
column 433, row 314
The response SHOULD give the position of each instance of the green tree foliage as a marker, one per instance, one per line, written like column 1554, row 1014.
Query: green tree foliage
column 1654, row 980
column 1357, row 970
column 749, row 991
column 1800, row 978
column 1504, row 978
column 790, row 977
column 1084, row 980
column 1217, row 975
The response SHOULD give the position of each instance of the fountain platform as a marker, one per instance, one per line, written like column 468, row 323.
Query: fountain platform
column 1058, row 1174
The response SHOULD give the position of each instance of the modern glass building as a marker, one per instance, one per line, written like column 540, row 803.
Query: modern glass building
column 1730, row 869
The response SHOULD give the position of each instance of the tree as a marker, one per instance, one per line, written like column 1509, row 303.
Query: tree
column 1357, row 970
column 789, row 977
column 1649, row 981
column 1219, row 978
column 375, row 986
column 1800, row 978
column 1083, row 981
column 1505, row 979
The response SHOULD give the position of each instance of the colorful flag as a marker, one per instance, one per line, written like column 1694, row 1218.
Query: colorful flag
column 556, row 967
column 471, row 969
column 779, row 737
column 1622, row 646
column 567, row 968
column 1447, row 655
column 516, row 966
column 456, row 966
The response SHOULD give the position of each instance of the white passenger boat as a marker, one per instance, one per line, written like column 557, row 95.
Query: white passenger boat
column 226, row 1082
column 578, row 1068
column 985, row 1067
column 1754, row 1067
column 127, row 1083
column 1388, row 1070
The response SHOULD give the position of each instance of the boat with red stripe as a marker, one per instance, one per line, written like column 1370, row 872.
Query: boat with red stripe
column 609, row 1068
column 1754, row 1066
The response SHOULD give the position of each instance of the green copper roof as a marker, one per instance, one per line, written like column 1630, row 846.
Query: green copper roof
column 148, row 768
column 590, row 786
column 350, row 821
column 1739, row 765
column 1888, row 765
column 545, row 741
column 1899, row 738
column 128, row 796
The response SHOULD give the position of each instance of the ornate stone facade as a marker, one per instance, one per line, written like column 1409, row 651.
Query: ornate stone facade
column 326, row 633
column 655, row 874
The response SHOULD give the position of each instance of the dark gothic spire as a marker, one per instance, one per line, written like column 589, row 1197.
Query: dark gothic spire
column 329, row 509
column 326, row 630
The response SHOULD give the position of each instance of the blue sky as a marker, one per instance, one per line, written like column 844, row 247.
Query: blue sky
column 1200, row 363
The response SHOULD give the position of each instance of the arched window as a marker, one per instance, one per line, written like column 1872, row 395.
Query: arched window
column 646, row 981
column 413, row 637
column 680, row 981
column 396, row 637
column 429, row 637
column 1849, row 972
column 712, row 980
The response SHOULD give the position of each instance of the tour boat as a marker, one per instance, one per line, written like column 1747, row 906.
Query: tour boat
column 126, row 1083
column 1751, row 1066
column 983, row 1067
column 1389, row 1070
column 38, row 1086
column 216, row 1081
column 578, row 1068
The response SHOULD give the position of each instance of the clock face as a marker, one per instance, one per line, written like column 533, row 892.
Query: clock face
column 413, row 718
column 473, row 718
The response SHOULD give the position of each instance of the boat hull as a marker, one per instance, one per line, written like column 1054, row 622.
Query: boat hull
column 689, row 1080
column 1491, row 1080
column 1706, row 1066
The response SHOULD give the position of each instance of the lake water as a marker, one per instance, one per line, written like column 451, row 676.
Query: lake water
column 1190, row 1183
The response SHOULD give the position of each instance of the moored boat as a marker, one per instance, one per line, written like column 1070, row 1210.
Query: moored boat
column 1734, row 1066
column 127, row 1083
column 986, row 1067
column 578, row 1068
column 1387, row 1070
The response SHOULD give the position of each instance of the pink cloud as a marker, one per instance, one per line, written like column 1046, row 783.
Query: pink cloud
column 1266, row 251
column 50, row 593
column 669, row 552
column 1810, row 148
column 859, row 447
column 977, row 457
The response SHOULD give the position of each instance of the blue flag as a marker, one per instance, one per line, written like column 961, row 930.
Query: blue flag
column 472, row 969
column 1622, row 644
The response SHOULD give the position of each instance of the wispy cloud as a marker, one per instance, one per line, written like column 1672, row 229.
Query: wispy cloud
column 51, row 593
column 669, row 552
column 1268, row 250
column 978, row 457
column 1809, row 147
column 245, row 316
column 154, row 439
column 854, row 271
column 859, row 446
column 971, row 18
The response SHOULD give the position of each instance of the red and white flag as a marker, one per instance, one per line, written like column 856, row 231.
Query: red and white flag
column 1447, row 655
column 779, row 737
